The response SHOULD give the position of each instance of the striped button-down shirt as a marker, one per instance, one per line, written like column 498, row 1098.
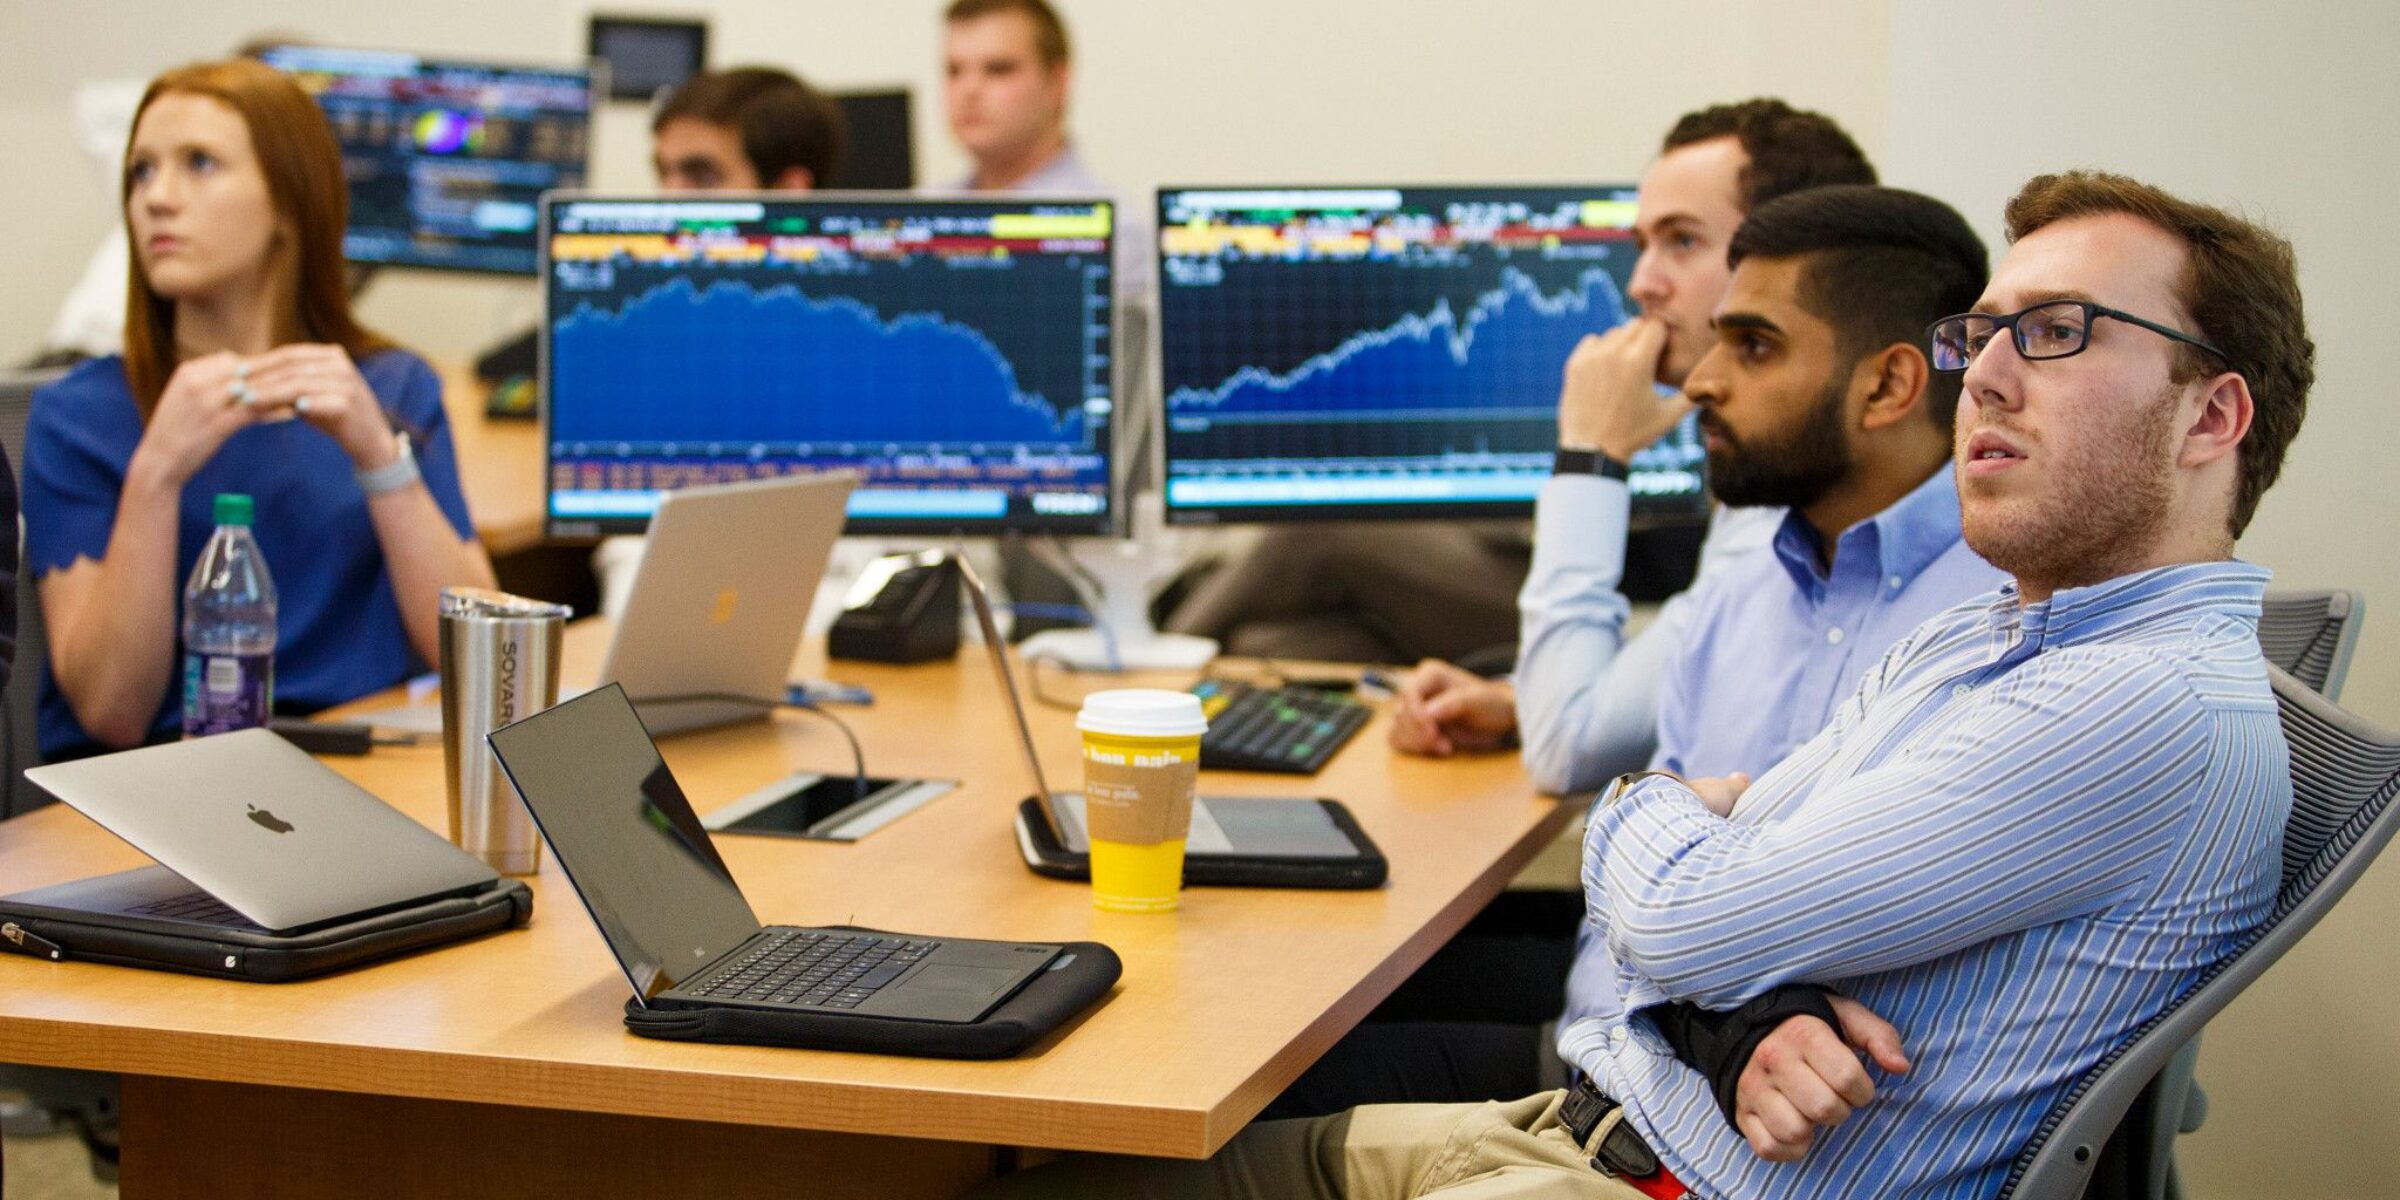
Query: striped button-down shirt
column 2033, row 827
column 1777, row 645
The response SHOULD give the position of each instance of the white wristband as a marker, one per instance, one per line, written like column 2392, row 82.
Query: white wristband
column 391, row 476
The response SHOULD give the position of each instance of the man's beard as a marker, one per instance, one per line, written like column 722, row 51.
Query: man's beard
column 1794, row 470
column 2096, row 518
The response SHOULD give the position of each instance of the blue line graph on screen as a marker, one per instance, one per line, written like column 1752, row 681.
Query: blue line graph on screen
column 1505, row 353
column 824, row 369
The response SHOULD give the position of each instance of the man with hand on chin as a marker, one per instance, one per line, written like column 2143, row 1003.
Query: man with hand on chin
column 1587, row 696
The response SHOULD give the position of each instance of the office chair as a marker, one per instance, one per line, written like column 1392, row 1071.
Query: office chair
column 19, row 703
column 2311, row 634
column 2344, row 774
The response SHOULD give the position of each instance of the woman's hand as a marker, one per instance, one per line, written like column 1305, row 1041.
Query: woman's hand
column 201, row 406
column 320, row 384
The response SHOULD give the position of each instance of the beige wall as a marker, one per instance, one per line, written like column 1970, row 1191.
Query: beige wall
column 2286, row 110
column 1240, row 90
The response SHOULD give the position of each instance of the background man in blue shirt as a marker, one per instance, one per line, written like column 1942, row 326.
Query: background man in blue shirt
column 2042, row 816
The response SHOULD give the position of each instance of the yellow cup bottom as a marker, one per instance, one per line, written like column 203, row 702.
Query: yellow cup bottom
column 1139, row 879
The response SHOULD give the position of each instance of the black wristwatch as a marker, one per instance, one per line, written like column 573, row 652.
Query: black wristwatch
column 1575, row 461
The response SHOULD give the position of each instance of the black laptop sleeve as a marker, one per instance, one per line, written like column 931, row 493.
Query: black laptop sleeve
column 64, row 935
column 1081, row 976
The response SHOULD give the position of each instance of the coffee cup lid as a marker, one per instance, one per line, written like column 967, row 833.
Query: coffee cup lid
column 1142, row 712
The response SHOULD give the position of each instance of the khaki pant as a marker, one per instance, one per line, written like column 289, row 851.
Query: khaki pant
column 1380, row 1152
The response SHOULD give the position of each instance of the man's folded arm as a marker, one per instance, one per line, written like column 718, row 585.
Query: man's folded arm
column 2038, row 800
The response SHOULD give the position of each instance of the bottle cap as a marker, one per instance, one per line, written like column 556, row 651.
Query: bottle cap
column 1142, row 712
column 234, row 508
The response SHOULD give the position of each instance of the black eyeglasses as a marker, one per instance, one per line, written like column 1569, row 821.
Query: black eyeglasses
column 2055, row 329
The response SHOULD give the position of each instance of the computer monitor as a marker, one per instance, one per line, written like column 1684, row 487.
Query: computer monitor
column 881, row 151
column 447, row 159
column 647, row 55
column 954, row 352
column 1386, row 352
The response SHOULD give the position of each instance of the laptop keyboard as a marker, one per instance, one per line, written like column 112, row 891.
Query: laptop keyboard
column 814, row 967
column 197, row 907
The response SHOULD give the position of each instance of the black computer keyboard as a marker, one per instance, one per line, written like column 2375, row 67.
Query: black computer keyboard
column 1291, row 730
column 814, row 967
column 199, row 907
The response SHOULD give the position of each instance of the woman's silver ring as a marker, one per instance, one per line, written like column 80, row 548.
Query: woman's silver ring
column 300, row 404
column 242, row 394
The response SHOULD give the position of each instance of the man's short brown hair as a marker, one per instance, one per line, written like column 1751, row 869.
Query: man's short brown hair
column 1790, row 149
column 781, row 121
column 2241, row 283
column 1049, row 33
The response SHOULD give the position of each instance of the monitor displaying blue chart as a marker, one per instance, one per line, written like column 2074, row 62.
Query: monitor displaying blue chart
column 955, row 353
column 1387, row 351
column 446, row 160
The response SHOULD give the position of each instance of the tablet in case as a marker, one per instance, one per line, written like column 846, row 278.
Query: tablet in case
column 1236, row 841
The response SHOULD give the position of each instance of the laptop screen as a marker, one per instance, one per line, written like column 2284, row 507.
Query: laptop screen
column 626, row 837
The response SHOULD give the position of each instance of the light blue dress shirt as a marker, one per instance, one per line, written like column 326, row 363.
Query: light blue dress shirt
column 1773, row 647
column 2032, row 827
column 1587, row 696
column 1136, row 224
column 1776, row 644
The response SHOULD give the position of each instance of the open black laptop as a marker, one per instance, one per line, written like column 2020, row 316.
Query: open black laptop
column 1235, row 841
column 636, row 854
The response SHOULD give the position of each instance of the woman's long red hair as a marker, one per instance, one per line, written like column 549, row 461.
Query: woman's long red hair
column 303, row 166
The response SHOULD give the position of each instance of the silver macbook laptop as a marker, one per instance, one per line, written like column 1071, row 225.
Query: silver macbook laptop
column 248, row 830
column 717, row 605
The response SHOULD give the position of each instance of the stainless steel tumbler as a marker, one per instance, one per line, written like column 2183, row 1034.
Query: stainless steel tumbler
column 499, row 665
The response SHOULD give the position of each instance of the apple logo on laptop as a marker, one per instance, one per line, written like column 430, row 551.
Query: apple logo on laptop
column 269, row 820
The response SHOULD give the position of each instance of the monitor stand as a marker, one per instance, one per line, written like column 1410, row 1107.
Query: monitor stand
column 1128, row 572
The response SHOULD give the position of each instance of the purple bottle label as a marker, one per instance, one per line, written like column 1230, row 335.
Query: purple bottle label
column 225, row 692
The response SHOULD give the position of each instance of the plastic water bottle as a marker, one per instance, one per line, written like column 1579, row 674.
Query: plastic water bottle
column 228, row 629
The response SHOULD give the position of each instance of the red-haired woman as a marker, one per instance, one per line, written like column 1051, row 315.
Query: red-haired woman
column 243, row 372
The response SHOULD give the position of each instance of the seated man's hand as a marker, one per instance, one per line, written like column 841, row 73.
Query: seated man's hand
column 1805, row 1077
column 1719, row 793
column 1610, row 399
column 1442, row 710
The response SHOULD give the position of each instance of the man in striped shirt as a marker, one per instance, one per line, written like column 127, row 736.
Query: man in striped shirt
column 2041, row 817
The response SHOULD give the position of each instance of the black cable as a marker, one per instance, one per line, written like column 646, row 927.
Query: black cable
column 858, row 757
column 1042, row 695
column 1093, row 597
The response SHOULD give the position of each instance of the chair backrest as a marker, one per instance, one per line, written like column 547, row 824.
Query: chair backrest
column 2310, row 634
column 20, row 702
column 2344, row 773
column 16, row 406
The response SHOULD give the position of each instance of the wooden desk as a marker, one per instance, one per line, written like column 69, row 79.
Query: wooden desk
column 500, row 1067
column 499, row 465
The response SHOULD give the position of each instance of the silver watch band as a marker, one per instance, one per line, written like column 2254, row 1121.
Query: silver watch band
column 391, row 476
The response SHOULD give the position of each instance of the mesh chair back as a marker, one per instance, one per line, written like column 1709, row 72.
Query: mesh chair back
column 2310, row 634
column 2344, row 773
column 18, row 745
